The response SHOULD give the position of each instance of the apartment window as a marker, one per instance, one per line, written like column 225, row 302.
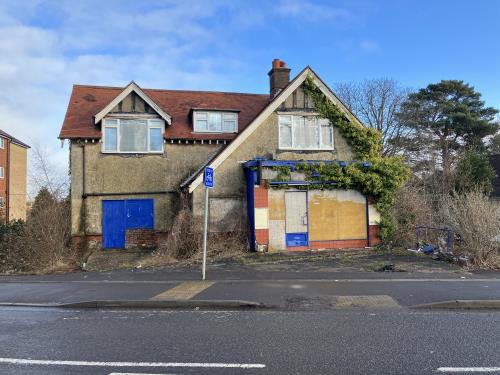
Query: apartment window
column 133, row 136
column 305, row 133
column 215, row 122
column 2, row 202
column 2, row 172
column 2, row 142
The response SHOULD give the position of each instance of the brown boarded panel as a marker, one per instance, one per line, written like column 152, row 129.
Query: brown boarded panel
column 323, row 215
column 352, row 215
column 276, row 204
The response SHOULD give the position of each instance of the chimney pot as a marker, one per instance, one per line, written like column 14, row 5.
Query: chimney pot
column 279, row 77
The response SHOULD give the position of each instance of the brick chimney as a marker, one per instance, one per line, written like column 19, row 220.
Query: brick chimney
column 279, row 76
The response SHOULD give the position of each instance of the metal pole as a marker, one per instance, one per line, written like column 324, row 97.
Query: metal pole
column 205, row 229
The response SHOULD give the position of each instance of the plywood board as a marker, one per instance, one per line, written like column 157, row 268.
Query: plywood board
column 276, row 204
column 336, row 215
column 323, row 215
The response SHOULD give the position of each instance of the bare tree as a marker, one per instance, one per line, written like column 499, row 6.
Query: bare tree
column 376, row 103
column 45, row 174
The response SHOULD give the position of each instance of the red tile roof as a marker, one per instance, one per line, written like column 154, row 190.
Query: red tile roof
column 86, row 101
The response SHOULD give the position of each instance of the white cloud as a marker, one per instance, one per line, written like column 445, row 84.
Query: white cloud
column 311, row 11
column 47, row 46
column 369, row 46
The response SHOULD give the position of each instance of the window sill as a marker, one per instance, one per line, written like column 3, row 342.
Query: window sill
column 208, row 133
column 306, row 149
column 132, row 152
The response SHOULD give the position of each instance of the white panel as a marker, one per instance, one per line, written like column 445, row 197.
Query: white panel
column 261, row 218
column 277, row 235
column 296, row 211
column 373, row 215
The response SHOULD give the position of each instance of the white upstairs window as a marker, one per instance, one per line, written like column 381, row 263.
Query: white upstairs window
column 2, row 172
column 139, row 136
column 2, row 142
column 305, row 133
column 215, row 122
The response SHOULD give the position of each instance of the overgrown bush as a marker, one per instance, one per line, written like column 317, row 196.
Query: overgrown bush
column 476, row 219
column 41, row 243
column 411, row 208
column 184, row 237
column 184, row 240
column 472, row 216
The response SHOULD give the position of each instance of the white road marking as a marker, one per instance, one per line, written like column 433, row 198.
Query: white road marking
column 135, row 373
column 22, row 361
column 468, row 369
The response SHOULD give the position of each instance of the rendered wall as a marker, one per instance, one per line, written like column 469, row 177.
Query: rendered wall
column 17, row 182
column 229, row 177
column 129, row 173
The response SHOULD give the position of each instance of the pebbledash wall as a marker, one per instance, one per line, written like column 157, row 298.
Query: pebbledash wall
column 229, row 176
column 96, row 177
column 230, row 185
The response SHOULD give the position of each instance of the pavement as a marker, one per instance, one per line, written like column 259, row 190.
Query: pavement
column 311, row 284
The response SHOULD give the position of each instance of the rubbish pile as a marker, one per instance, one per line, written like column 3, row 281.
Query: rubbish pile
column 442, row 248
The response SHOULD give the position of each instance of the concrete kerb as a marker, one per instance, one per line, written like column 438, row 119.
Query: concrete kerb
column 460, row 305
column 147, row 304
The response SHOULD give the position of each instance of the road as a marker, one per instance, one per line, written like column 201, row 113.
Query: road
column 349, row 341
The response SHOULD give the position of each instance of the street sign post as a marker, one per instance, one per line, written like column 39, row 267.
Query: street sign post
column 208, row 181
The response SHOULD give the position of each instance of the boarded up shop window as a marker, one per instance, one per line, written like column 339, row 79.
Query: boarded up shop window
column 226, row 214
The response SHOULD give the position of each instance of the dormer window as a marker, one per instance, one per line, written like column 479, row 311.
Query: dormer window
column 215, row 121
column 133, row 136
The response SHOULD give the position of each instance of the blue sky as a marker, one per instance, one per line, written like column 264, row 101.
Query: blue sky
column 46, row 46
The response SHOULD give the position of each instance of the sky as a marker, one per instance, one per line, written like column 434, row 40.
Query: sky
column 46, row 46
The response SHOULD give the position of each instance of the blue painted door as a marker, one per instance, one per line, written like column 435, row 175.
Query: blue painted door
column 120, row 215
column 113, row 224
column 140, row 213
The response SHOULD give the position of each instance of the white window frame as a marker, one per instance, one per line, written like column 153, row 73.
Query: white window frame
column 2, row 142
column 224, row 114
column 2, row 202
column 2, row 172
column 296, row 148
column 151, row 123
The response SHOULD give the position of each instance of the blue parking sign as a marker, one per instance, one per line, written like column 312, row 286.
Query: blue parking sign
column 208, row 178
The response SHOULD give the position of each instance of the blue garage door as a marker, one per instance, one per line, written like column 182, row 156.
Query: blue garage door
column 120, row 215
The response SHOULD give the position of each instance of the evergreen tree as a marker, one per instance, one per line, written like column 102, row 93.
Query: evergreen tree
column 474, row 171
column 446, row 117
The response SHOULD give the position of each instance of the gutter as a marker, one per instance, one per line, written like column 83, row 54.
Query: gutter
column 85, row 195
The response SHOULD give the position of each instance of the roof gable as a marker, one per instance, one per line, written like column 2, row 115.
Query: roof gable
column 132, row 87
column 86, row 101
column 267, row 111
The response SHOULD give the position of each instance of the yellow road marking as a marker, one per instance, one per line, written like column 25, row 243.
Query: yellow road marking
column 346, row 302
column 184, row 291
